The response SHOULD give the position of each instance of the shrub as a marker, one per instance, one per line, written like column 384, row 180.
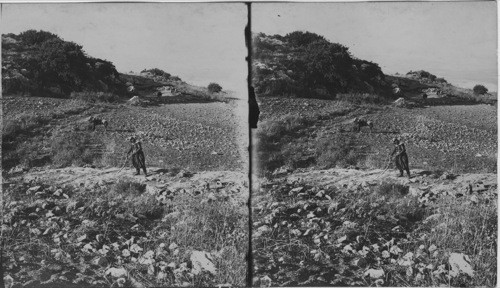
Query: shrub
column 480, row 90
column 157, row 72
column 394, row 189
column 74, row 148
column 95, row 96
column 214, row 88
column 337, row 151
column 273, row 149
column 33, row 37
column 299, row 38
column 127, row 187
column 441, row 80
column 359, row 98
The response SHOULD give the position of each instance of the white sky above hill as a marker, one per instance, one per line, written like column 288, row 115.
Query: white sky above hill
column 204, row 42
column 201, row 43
column 454, row 40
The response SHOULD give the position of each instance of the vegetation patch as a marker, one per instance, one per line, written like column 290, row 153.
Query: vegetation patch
column 74, row 148
column 275, row 137
column 122, row 234
column 308, row 235
column 41, row 63
column 305, row 64
column 214, row 88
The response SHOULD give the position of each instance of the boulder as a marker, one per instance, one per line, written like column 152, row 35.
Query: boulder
column 202, row 261
column 375, row 273
column 460, row 264
column 116, row 272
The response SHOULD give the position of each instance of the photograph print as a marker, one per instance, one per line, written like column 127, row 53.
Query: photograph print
column 376, row 150
column 124, row 145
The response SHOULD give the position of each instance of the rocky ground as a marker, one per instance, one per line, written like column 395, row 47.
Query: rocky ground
column 71, row 224
column 75, row 227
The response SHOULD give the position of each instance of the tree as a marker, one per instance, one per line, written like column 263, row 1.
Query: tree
column 214, row 88
column 480, row 90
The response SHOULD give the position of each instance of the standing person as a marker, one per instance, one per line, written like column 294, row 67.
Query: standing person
column 401, row 158
column 138, row 159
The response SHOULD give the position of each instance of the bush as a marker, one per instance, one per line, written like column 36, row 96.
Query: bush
column 480, row 90
column 95, row 96
column 33, row 37
column 337, row 151
column 359, row 98
column 273, row 148
column 157, row 72
column 22, row 124
column 54, row 67
column 127, row 187
column 392, row 189
column 214, row 88
column 441, row 80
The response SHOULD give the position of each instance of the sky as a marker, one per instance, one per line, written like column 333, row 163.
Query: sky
column 201, row 43
column 454, row 40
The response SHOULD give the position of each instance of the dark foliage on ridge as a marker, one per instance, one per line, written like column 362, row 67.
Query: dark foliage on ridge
column 305, row 64
column 41, row 63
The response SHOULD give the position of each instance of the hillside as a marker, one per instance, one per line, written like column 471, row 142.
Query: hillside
column 306, row 64
column 176, row 120
column 74, row 212
column 41, row 63
column 328, row 207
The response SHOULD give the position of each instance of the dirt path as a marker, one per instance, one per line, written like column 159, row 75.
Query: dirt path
column 352, row 178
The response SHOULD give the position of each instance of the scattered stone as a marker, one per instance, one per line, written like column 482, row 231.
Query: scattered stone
column 261, row 230
column 134, row 100
column 8, row 281
column 432, row 217
column 33, row 189
column 474, row 199
column 296, row 190
column 375, row 273
column 350, row 224
column 265, row 281
column 116, row 272
column 184, row 173
column 173, row 246
column 101, row 261
column 202, row 261
column 460, row 263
